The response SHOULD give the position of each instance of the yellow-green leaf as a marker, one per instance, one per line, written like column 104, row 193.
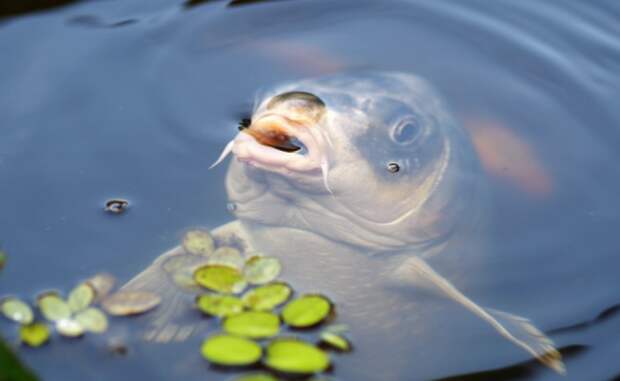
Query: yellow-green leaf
column 261, row 270
column 227, row 256
column 198, row 242
column 53, row 307
column 93, row 320
column 306, row 311
column 267, row 297
column 253, row 324
column 231, row 350
column 295, row 356
column 335, row 341
column 219, row 305
column 16, row 310
column 69, row 328
column 220, row 278
column 81, row 297
column 34, row 335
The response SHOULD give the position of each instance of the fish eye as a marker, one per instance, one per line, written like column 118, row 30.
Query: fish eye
column 406, row 131
column 393, row 167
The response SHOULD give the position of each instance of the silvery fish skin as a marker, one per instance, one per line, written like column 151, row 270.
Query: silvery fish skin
column 384, row 182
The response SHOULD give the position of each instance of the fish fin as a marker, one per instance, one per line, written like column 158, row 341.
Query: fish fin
column 169, row 321
column 517, row 329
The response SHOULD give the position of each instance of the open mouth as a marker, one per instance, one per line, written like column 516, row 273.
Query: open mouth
column 278, row 144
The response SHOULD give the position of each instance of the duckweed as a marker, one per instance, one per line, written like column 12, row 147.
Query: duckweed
column 220, row 278
column 198, row 242
column 69, row 328
column 227, row 256
column 253, row 324
column 295, row 356
column 102, row 284
column 16, row 310
column 231, row 350
column 267, row 297
column 335, row 341
column 258, row 376
column 306, row 311
column 219, row 305
column 81, row 297
column 53, row 307
column 92, row 320
column 261, row 270
column 34, row 335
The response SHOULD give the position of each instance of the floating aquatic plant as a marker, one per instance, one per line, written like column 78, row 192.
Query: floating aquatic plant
column 198, row 242
column 253, row 324
column 16, row 310
column 231, row 350
column 267, row 297
column 221, row 278
column 227, row 256
column 2, row 259
column 256, row 376
column 261, row 270
column 335, row 341
column 290, row 355
column 306, row 311
column 219, row 305
column 34, row 335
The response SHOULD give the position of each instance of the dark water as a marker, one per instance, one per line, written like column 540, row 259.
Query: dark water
column 134, row 99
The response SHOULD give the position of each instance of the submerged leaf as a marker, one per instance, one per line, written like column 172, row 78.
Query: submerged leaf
column 11, row 369
column 53, row 307
column 231, row 350
column 93, row 320
column 81, row 297
column 16, row 310
column 261, row 270
column 102, row 284
column 198, row 242
column 295, row 356
column 306, row 311
column 125, row 303
column 219, row 305
column 69, row 328
column 181, row 269
column 34, row 335
column 227, row 256
column 335, row 341
column 2, row 259
column 267, row 297
column 253, row 324
column 220, row 278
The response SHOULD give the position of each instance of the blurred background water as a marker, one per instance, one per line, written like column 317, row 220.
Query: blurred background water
column 135, row 98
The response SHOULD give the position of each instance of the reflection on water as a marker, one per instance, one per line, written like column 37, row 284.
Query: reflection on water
column 139, row 112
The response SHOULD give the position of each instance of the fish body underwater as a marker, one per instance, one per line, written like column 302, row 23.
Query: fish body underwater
column 359, row 183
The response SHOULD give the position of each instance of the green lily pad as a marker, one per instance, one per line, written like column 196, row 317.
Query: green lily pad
column 34, row 335
column 16, row 310
column 220, row 278
column 258, row 376
column 261, row 270
column 102, row 284
column 307, row 311
column 267, row 297
column 93, row 320
column 219, row 305
column 81, row 297
column 126, row 303
column 198, row 242
column 231, row 350
column 69, row 328
column 227, row 256
column 53, row 307
column 335, row 341
column 295, row 356
column 253, row 324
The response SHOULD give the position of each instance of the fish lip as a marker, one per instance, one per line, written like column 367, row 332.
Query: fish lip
column 249, row 150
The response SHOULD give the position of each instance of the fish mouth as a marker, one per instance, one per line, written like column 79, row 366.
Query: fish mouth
column 276, row 143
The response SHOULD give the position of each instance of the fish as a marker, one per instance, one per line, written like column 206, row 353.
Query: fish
column 360, row 183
